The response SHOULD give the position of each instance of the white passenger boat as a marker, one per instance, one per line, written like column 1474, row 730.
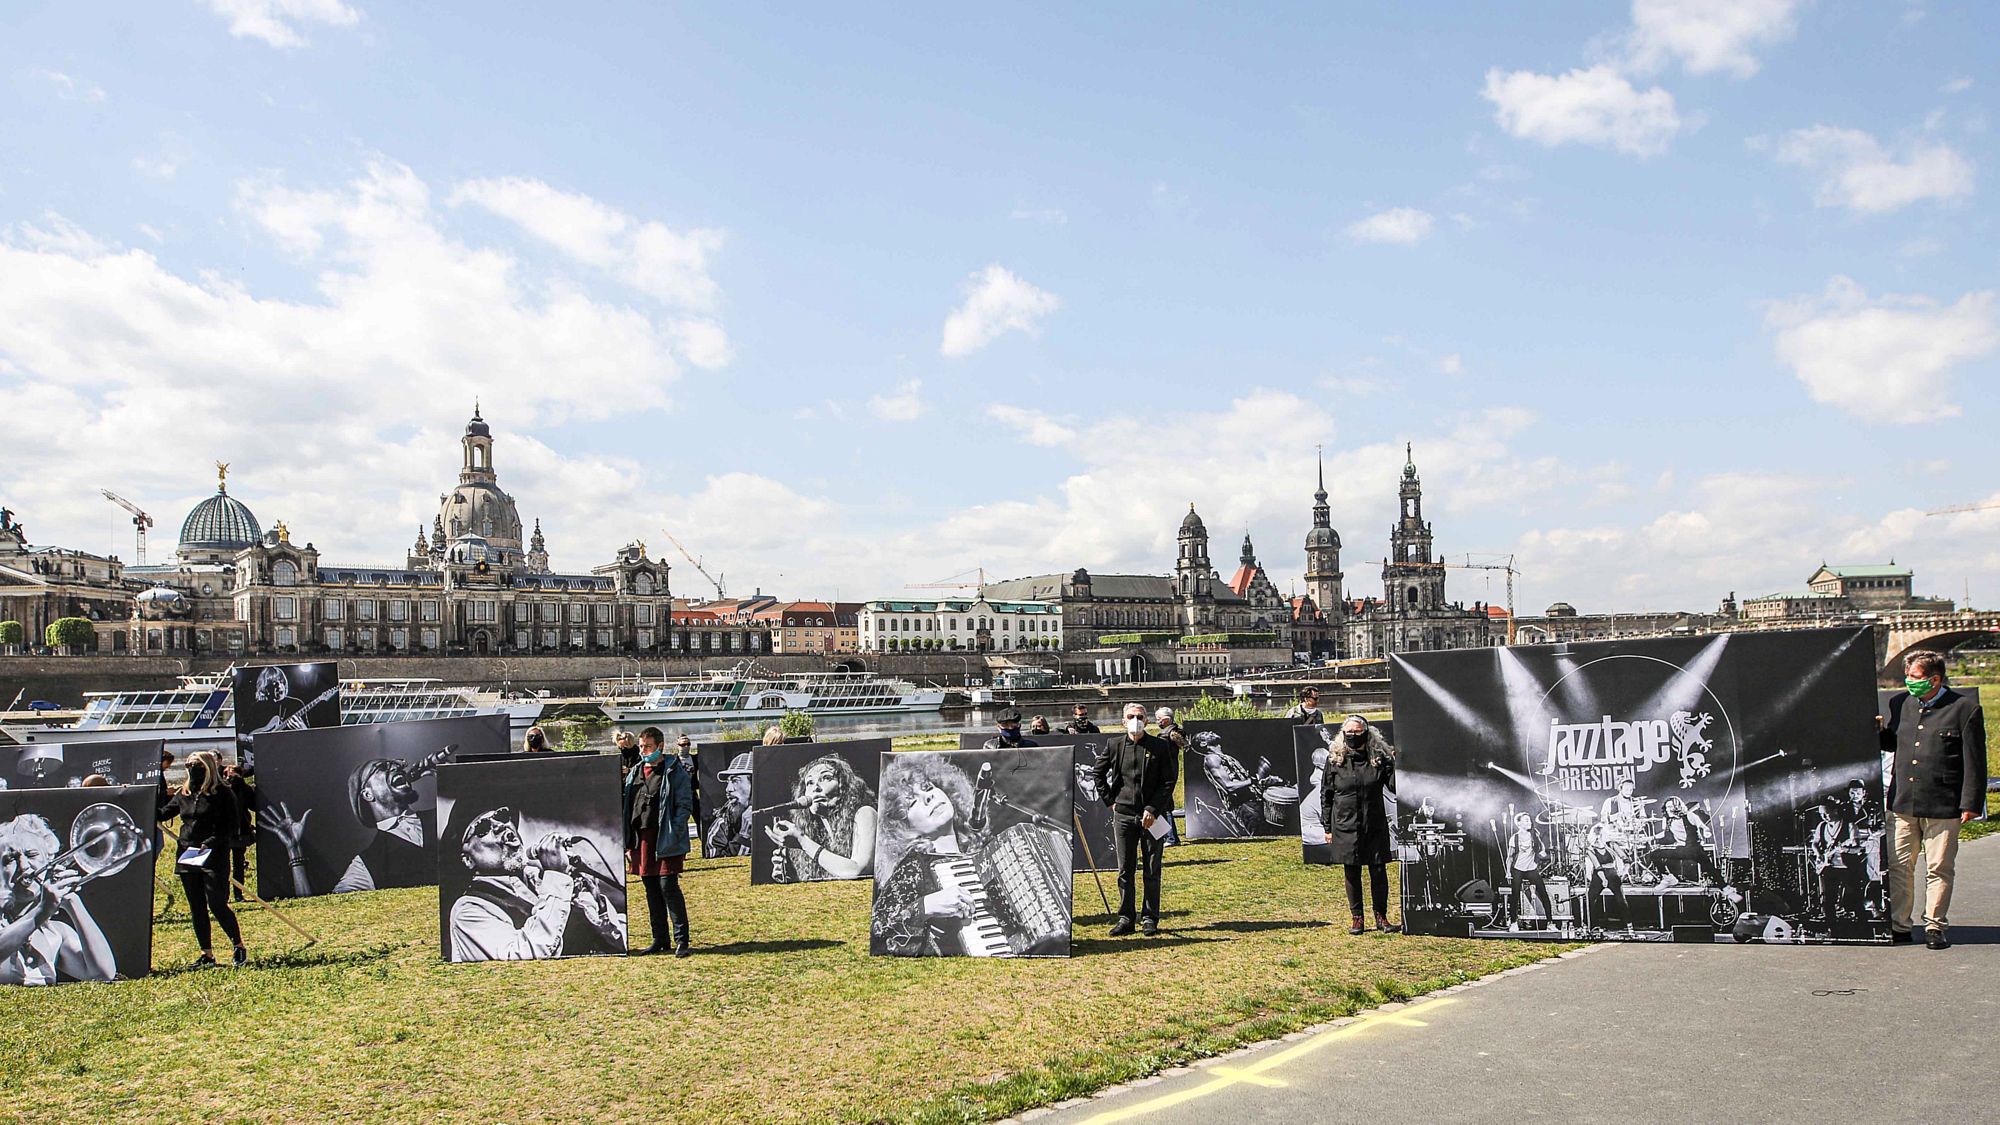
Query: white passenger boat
column 199, row 714
column 753, row 693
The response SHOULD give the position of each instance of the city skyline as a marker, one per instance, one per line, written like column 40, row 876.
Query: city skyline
column 1669, row 306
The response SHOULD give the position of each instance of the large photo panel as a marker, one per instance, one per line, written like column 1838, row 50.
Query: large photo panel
column 269, row 698
column 530, row 861
column 1723, row 788
column 65, row 765
column 814, row 810
column 354, row 808
column 722, row 781
column 1094, row 849
column 76, row 884
column 1241, row 778
column 972, row 854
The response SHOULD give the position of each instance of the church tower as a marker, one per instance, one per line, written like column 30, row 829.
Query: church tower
column 1323, row 576
column 1194, row 577
column 1412, row 581
column 537, row 559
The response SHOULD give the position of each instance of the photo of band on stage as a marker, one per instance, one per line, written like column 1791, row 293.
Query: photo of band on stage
column 1596, row 794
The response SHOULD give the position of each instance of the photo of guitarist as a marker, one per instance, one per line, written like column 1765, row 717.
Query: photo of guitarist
column 1836, row 855
column 280, row 697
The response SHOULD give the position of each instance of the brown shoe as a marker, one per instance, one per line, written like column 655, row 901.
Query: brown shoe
column 1359, row 927
column 1382, row 923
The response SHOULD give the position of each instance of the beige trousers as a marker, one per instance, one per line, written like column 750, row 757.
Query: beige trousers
column 1934, row 842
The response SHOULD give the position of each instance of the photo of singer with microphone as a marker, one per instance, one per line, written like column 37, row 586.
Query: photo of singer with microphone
column 528, row 865
column 813, row 816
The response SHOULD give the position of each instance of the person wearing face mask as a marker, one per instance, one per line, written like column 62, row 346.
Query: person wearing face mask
column 1306, row 711
column 659, row 800
column 1360, row 768
column 1137, row 774
column 1010, row 736
column 1936, row 738
column 207, row 811
column 1079, row 722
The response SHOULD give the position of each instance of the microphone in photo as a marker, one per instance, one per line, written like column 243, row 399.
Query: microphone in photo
column 982, row 796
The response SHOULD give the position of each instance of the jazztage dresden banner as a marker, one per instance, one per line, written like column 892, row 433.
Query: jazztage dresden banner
column 1688, row 788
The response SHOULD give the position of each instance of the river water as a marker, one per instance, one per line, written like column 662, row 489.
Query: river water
column 827, row 728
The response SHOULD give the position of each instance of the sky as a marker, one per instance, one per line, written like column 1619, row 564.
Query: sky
column 1669, row 300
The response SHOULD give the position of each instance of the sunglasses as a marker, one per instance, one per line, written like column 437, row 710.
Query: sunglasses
column 498, row 824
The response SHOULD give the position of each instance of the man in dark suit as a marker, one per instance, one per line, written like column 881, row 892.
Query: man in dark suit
column 1136, row 774
column 1937, row 782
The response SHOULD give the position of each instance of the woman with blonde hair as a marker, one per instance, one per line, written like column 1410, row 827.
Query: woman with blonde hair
column 207, row 810
column 774, row 735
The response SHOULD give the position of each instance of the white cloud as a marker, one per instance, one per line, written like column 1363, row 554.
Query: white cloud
column 158, row 169
column 1956, row 86
column 278, row 22
column 158, row 372
column 1706, row 36
column 1855, row 171
column 906, row 404
column 1596, row 106
column 1888, row 358
column 71, row 89
column 1401, row 226
column 996, row 302
column 1452, row 364
column 670, row 265
column 1034, row 427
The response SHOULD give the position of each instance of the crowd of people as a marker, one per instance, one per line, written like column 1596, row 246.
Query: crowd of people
column 1932, row 739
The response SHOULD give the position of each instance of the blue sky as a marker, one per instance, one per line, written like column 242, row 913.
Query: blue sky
column 1673, row 299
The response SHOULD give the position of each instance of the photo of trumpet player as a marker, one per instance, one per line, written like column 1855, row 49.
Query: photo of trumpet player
column 530, row 859
column 813, row 814
column 353, row 808
column 76, row 889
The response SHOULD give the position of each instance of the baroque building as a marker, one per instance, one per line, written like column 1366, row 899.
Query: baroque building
column 475, row 586
column 1413, row 615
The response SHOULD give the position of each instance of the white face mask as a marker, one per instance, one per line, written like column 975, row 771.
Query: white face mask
column 1135, row 726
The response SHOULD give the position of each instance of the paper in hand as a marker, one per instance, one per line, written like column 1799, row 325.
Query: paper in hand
column 1161, row 826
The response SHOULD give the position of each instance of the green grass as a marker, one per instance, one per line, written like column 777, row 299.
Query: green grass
column 781, row 1015
column 1989, row 698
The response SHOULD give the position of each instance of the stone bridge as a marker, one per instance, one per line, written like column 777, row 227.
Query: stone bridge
column 1899, row 636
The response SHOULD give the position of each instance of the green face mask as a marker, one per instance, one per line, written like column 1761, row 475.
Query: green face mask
column 1918, row 688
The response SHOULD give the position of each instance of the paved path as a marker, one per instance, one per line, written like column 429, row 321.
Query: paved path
column 1825, row 1034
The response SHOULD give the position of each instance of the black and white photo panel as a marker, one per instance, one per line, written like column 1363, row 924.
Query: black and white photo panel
column 814, row 811
column 722, row 776
column 76, row 884
column 354, row 808
column 1093, row 849
column 972, row 854
column 1312, row 746
column 530, row 859
column 267, row 698
column 65, row 765
column 1241, row 779
column 1709, row 788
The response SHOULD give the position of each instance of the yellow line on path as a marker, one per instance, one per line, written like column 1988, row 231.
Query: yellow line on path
column 1254, row 1073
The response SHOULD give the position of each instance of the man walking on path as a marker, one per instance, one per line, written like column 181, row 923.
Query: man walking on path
column 1937, row 782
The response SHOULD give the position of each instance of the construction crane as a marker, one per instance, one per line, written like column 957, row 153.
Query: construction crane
column 1957, row 508
column 140, row 522
column 696, row 563
column 950, row 584
column 1468, row 564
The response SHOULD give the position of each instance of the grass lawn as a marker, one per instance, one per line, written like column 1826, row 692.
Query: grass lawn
column 781, row 1015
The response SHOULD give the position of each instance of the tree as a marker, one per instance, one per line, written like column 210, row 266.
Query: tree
column 69, row 634
column 1209, row 708
column 12, row 634
column 796, row 724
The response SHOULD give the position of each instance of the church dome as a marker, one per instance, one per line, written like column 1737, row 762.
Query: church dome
column 1322, row 537
column 221, row 522
column 471, row 549
column 477, row 427
column 1192, row 522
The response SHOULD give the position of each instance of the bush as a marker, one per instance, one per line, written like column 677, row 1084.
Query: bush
column 1208, row 708
column 12, row 633
column 796, row 724
column 70, row 632
column 574, row 739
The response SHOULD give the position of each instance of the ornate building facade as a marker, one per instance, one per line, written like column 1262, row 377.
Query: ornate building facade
column 475, row 586
column 1413, row 615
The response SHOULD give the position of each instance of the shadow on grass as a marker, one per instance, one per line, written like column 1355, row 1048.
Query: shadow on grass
column 1195, row 862
column 796, row 945
column 291, row 959
column 1260, row 927
column 1136, row 943
column 1106, row 919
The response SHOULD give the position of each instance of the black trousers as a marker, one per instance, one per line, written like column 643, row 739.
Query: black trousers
column 1525, row 881
column 208, row 892
column 1607, row 889
column 239, row 865
column 1137, row 849
column 665, row 904
column 1378, row 886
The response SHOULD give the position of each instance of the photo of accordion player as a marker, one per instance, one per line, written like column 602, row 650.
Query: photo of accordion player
column 964, row 871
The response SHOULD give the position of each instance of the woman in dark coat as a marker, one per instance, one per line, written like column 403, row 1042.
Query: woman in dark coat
column 659, row 800
column 1359, row 770
column 207, row 812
